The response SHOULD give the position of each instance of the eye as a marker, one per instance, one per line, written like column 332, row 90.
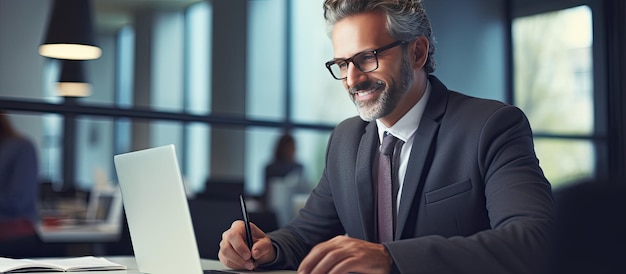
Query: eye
column 366, row 57
column 342, row 64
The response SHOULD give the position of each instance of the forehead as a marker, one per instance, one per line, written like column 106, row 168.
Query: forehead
column 356, row 33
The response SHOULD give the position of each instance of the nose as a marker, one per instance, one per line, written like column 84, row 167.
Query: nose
column 354, row 75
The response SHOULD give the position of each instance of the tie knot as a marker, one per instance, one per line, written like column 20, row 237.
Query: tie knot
column 386, row 147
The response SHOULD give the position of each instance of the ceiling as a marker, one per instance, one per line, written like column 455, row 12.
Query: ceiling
column 110, row 15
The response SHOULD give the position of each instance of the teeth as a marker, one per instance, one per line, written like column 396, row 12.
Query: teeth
column 363, row 93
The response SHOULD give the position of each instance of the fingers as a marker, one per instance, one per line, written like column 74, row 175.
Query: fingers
column 322, row 257
column 257, row 233
column 326, row 262
column 234, row 252
column 344, row 254
column 262, row 250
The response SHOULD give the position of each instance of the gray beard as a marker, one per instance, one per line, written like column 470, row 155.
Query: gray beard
column 370, row 111
column 390, row 97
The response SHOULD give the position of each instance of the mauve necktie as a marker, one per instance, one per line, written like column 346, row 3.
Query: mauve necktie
column 385, row 202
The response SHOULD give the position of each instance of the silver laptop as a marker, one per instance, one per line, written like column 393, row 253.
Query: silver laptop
column 102, row 221
column 156, row 208
column 158, row 216
column 104, row 206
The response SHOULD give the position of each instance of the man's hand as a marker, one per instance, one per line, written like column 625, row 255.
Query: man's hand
column 234, row 252
column 344, row 254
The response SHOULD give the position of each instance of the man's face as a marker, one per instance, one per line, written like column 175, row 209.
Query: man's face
column 376, row 94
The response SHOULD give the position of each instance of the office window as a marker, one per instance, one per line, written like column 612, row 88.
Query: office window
column 124, row 64
column 51, row 128
column 197, row 82
column 197, row 156
column 122, row 132
column 266, row 66
column 52, row 149
column 95, row 151
column 167, row 67
column 266, row 90
column 198, row 26
column 152, row 86
column 553, row 84
column 316, row 96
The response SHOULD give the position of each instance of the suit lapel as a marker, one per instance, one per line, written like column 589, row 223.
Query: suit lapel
column 418, row 159
column 364, row 181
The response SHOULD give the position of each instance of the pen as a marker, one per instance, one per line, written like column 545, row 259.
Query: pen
column 246, row 221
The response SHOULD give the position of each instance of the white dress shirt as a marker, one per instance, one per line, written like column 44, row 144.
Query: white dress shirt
column 405, row 130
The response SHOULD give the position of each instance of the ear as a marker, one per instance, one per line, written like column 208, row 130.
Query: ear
column 421, row 51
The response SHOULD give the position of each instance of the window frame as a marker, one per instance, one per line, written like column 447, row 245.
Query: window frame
column 599, row 138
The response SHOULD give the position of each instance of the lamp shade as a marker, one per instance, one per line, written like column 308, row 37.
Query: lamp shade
column 70, row 32
column 72, row 82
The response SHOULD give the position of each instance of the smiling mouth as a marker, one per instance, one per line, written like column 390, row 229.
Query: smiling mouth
column 360, row 91
column 364, row 93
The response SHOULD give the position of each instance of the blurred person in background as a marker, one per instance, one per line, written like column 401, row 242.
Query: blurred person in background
column 284, row 162
column 19, row 173
column 283, row 177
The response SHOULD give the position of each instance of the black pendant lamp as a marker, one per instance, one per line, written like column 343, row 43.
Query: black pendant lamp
column 70, row 32
column 73, row 82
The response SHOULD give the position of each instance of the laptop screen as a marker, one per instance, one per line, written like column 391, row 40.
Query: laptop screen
column 156, row 208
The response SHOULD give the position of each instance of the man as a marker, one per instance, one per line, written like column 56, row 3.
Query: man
column 471, row 197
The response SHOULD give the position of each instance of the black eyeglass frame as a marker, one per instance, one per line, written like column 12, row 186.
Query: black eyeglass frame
column 375, row 52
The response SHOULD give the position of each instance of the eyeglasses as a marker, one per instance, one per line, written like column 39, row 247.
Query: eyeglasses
column 365, row 61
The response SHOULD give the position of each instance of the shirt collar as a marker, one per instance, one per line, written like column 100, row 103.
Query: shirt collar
column 407, row 125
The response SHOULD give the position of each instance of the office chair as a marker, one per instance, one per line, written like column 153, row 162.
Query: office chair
column 591, row 229
column 210, row 219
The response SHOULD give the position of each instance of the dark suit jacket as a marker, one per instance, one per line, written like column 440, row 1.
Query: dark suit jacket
column 474, row 199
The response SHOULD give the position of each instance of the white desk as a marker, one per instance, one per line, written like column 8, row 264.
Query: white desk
column 81, row 239
column 80, row 233
column 132, row 267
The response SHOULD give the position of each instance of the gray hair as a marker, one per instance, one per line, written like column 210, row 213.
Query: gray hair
column 406, row 19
